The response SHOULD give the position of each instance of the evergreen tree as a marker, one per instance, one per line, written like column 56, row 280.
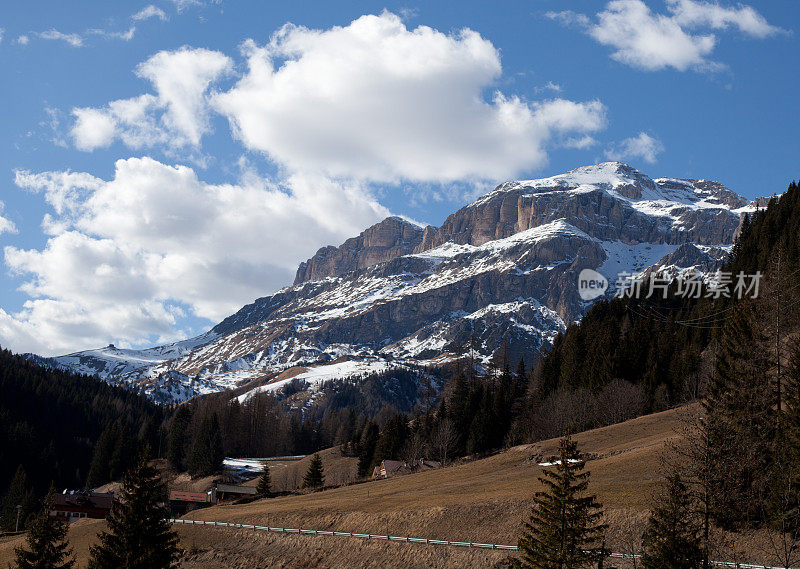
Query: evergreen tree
column 315, row 476
column 176, row 439
column 50, row 420
column 367, row 442
column 673, row 536
column 47, row 545
column 564, row 531
column 392, row 439
column 139, row 535
column 104, row 450
column 264, row 488
column 207, row 452
column 19, row 494
column 740, row 424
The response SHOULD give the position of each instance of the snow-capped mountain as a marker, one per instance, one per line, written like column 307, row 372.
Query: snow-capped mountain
column 504, row 266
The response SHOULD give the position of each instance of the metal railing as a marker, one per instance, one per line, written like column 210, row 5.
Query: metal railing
column 428, row 541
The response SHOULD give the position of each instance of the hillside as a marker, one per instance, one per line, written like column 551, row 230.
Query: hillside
column 50, row 421
column 502, row 267
column 483, row 500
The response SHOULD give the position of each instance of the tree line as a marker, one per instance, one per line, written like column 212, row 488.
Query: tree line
column 50, row 424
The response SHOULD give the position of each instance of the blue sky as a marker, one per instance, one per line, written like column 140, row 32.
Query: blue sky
column 164, row 164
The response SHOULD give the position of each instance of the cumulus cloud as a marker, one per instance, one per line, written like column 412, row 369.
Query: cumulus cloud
column 23, row 40
column 335, row 110
column 643, row 146
column 149, row 11
column 650, row 41
column 374, row 100
column 176, row 115
column 127, row 256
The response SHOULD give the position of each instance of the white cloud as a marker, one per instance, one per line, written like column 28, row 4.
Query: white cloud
column 75, row 40
column 126, row 255
column 23, row 40
column 549, row 86
column 336, row 110
column 580, row 142
column 6, row 225
column 374, row 100
column 124, row 36
column 642, row 146
column 693, row 13
column 2, row 33
column 176, row 116
column 149, row 11
column 570, row 18
column 651, row 41
column 181, row 5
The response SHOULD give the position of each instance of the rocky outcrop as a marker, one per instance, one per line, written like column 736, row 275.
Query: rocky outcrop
column 382, row 242
column 621, row 204
column 503, row 267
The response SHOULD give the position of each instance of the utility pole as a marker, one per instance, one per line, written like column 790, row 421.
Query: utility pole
column 19, row 509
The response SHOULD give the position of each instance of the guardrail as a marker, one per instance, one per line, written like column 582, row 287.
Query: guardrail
column 426, row 540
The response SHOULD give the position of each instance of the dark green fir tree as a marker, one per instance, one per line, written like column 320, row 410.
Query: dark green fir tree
column 139, row 535
column 19, row 494
column 264, row 488
column 176, row 438
column 315, row 476
column 207, row 452
column 673, row 539
column 46, row 543
column 565, row 530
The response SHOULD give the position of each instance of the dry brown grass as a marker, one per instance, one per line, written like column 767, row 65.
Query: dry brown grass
column 287, row 475
column 483, row 500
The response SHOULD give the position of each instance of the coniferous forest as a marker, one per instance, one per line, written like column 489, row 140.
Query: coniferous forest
column 51, row 423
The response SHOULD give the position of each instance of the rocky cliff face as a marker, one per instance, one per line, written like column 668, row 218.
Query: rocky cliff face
column 504, row 266
column 384, row 241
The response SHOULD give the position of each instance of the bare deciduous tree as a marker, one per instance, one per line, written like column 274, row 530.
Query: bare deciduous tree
column 444, row 440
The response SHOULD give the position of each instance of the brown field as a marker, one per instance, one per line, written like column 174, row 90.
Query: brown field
column 483, row 500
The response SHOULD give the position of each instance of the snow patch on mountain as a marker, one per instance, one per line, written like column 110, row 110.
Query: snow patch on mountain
column 502, row 268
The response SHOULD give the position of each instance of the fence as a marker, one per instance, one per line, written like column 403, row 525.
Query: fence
column 428, row 541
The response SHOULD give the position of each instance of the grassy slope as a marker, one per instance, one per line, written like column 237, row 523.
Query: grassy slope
column 482, row 500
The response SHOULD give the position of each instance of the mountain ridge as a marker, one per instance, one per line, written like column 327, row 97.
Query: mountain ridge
column 503, row 266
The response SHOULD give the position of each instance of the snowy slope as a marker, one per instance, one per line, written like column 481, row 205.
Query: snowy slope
column 503, row 267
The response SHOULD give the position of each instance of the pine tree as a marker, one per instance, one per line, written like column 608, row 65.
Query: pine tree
column 100, row 470
column 264, row 488
column 176, row 439
column 315, row 476
column 47, row 545
column 740, row 424
column 139, row 535
column 367, row 442
column 19, row 494
column 673, row 536
column 564, row 531
column 207, row 452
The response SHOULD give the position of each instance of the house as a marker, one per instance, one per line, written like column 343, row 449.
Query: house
column 181, row 502
column 232, row 491
column 72, row 506
column 388, row 468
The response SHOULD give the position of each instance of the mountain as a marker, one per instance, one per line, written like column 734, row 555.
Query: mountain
column 504, row 266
